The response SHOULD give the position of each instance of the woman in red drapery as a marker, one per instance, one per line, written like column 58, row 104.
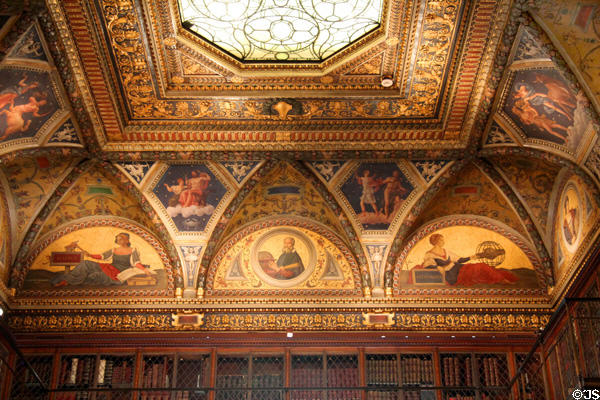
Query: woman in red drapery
column 456, row 271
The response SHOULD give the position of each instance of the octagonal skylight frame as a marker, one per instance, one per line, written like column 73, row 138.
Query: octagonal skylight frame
column 294, row 36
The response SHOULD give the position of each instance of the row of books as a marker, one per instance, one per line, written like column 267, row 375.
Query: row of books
column 490, row 368
column 77, row 371
column 157, row 374
column 115, row 372
column 382, row 371
column 416, row 370
column 456, row 371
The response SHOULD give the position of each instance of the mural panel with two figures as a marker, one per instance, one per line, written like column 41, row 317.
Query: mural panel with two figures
column 376, row 192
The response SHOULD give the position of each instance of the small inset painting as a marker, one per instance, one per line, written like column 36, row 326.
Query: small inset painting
column 98, row 257
column 376, row 192
column 543, row 106
column 190, row 194
column 570, row 217
column 467, row 256
column 27, row 101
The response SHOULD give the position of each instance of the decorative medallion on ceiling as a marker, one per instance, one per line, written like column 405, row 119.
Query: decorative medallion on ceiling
column 281, row 30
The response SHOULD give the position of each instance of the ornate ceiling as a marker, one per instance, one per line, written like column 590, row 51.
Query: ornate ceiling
column 162, row 87
column 463, row 196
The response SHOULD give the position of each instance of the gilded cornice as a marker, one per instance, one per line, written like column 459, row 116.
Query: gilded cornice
column 259, row 321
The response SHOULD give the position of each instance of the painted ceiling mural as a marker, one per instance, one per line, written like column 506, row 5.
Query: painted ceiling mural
column 114, row 258
column 576, row 221
column 186, row 179
column 466, row 253
column 538, row 104
column 95, row 193
column 576, row 27
column 32, row 103
column 268, row 260
column 534, row 180
column 32, row 181
column 472, row 192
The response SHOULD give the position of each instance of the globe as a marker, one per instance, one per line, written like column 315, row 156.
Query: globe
column 491, row 253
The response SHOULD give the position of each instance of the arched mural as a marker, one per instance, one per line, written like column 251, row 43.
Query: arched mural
column 464, row 252
column 112, row 256
column 295, row 256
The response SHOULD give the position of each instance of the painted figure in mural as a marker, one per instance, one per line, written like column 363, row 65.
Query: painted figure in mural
column 369, row 186
column 195, row 194
column 289, row 264
column 8, row 95
column 559, row 94
column 524, row 109
column 176, row 190
column 15, row 122
column 87, row 272
column 570, row 222
column 456, row 270
column 393, row 193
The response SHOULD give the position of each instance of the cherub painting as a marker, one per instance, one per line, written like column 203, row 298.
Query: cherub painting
column 376, row 192
column 26, row 102
column 544, row 106
column 190, row 194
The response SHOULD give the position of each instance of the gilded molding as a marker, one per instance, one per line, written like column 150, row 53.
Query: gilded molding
column 258, row 321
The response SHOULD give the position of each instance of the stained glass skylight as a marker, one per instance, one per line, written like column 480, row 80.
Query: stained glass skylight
column 281, row 30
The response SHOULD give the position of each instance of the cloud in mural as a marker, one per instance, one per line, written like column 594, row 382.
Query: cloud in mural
column 187, row 212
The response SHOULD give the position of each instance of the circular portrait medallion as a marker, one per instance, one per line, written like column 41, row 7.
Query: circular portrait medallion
column 283, row 257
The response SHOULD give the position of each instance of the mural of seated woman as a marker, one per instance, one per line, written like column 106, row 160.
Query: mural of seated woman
column 457, row 271
column 87, row 272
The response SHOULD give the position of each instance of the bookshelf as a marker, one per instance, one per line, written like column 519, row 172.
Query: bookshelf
column 232, row 373
column 531, row 383
column 24, row 384
column 381, row 373
column 157, row 373
column 457, row 371
column 267, row 372
column 306, row 371
column 76, row 372
column 115, row 372
column 417, row 373
column 342, row 371
column 493, row 373
column 192, row 371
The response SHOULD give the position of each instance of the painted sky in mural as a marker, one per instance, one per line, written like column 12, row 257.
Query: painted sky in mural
column 98, row 257
column 190, row 194
column 466, row 256
column 27, row 101
column 376, row 191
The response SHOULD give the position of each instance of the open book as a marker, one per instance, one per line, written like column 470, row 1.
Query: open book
column 131, row 272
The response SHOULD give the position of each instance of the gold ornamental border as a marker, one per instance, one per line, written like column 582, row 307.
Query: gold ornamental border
column 51, row 321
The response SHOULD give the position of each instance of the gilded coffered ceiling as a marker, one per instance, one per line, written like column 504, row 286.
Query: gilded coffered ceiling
column 159, row 84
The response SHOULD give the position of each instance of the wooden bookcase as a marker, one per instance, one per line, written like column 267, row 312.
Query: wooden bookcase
column 280, row 374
